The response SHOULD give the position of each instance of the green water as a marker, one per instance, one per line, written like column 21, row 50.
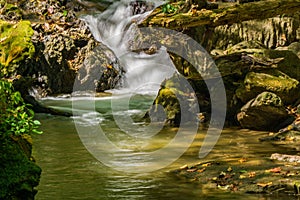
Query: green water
column 71, row 172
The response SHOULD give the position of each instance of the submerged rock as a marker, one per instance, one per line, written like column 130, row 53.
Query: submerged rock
column 265, row 112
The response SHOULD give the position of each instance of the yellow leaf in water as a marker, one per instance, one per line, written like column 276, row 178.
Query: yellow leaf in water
column 206, row 164
column 201, row 170
column 242, row 160
column 192, row 170
column 251, row 174
column 229, row 169
column 264, row 184
column 274, row 170
column 242, row 176
column 183, row 167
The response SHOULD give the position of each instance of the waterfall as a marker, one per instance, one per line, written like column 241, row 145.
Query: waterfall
column 115, row 27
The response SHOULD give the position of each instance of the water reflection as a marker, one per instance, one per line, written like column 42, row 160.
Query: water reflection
column 70, row 172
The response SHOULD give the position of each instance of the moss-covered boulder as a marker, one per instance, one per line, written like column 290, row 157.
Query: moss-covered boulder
column 15, row 45
column 19, row 175
column 175, row 103
column 265, row 112
column 272, row 80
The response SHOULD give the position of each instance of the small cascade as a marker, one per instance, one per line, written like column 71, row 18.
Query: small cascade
column 115, row 28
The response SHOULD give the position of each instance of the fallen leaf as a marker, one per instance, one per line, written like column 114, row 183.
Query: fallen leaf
column 184, row 167
column 229, row 169
column 264, row 184
column 223, row 187
column 242, row 160
column 274, row 170
column 192, row 170
column 206, row 164
column 242, row 177
column 251, row 174
column 109, row 66
column 201, row 170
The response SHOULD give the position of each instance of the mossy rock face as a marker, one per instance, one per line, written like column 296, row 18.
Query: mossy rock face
column 270, row 80
column 290, row 65
column 265, row 112
column 15, row 45
column 175, row 103
column 19, row 175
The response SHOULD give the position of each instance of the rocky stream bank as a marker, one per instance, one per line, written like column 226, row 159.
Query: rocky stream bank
column 44, row 44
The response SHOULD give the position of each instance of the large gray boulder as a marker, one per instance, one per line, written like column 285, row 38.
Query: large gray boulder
column 265, row 112
column 100, row 71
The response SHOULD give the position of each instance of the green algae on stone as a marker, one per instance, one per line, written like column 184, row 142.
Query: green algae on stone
column 175, row 103
column 265, row 112
column 15, row 45
column 274, row 81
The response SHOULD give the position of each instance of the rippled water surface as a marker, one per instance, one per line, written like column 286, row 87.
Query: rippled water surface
column 71, row 172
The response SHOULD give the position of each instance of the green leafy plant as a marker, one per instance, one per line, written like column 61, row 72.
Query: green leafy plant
column 168, row 9
column 15, row 116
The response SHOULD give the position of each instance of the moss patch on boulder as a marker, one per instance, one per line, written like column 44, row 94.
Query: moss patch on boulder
column 15, row 45
column 272, row 80
column 18, row 173
column 265, row 112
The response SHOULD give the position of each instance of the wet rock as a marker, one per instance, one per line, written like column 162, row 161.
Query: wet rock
column 9, row 12
column 295, row 48
column 285, row 157
column 19, row 175
column 140, row 6
column 265, row 112
column 100, row 71
column 61, row 42
column 246, row 46
column 271, row 80
column 289, row 65
column 273, row 32
column 175, row 103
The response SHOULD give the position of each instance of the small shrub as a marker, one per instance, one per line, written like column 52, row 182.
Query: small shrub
column 15, row 116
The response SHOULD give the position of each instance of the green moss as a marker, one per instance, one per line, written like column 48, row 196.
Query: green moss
column 15, row 45
column 270, row 80
column 18, row 174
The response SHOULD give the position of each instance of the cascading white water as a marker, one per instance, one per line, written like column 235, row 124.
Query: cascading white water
column 115, row 28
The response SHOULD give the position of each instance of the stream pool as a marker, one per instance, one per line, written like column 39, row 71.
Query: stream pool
column 71, row 172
